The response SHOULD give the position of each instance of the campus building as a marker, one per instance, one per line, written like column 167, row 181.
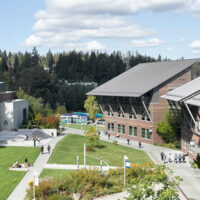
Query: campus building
column 12, row 111
column 187, row 98
column 132, row 103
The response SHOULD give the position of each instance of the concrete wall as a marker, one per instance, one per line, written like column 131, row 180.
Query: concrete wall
column 11, row 113
column 49, row 131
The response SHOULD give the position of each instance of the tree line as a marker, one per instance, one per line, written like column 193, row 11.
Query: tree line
column 46, row 76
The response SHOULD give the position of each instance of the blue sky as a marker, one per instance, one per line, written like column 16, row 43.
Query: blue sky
column 167, row 27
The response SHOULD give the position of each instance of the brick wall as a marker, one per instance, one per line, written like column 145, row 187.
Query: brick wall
column 157, row 111
column 7, row 96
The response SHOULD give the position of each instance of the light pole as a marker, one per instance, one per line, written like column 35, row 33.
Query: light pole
column 78, row 162
column 125, row 158
column 84, row 156
column 101, row 163
column 35, row 183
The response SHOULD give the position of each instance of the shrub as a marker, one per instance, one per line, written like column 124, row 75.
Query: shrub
column 90, row 148
column 50, row 122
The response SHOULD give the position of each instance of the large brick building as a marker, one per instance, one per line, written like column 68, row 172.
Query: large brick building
column 187, row 97
column 12, row 111
column 131, row 101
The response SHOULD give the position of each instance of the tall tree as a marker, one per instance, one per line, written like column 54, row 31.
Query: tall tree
column 91, row 106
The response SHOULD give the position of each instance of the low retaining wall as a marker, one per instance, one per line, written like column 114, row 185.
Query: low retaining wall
column 51, row 132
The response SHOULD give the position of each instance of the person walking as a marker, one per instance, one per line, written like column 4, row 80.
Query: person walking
column 99, row 133
column 109, row 136
column 139, row 144
column 49, row 148
column 175, row 158
column 164, row 158
column 42, row 149
column 128, row 141
column 161, row 156
column 183, row 158
column 170, row 157
column 26, row 162
column 179, row 158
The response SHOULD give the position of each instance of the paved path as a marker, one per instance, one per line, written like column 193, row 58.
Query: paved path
column 19, row 192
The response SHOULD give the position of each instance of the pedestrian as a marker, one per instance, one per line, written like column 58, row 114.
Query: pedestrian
column 179, row 158
column 161, row 155
column 139, row 144
column 183, row 158
column 38, row 139
column 164, row 158
column 49, row 148
column 109, row 136
column 170, row 157
column 175, row 158
column 42, row 149
column 128, row 141
column 51, row 134
column 99, row 133
column 26, row 162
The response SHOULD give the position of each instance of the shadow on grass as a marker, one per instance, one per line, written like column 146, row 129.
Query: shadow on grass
column 100, row 146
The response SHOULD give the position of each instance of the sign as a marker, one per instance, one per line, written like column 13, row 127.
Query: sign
column 36, row 181
column 150, row 130
column 191, row 144
column 128, row 164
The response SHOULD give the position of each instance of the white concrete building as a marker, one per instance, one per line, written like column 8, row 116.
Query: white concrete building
column 12, row 111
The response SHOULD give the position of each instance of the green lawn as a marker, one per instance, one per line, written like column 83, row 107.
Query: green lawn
column 83, row 127
column 8, row 155
column 70, row 146
column 55, row 173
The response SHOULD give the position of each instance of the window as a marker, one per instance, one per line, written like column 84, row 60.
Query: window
column 108, row 126
column 110, row 113
column 121, row 128
column 112, row 127
column 130, row 130
column 146, row 133
column 143, row 132
column 135, row 131
column 145, row 116
column 132, row 115
column 120, row 113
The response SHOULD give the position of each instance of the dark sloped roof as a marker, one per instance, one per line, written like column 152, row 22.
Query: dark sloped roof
column 189, row 93
column 142, row 78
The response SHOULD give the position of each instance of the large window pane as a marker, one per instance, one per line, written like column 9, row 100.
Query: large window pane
column 130, row 130
column 123, row 129
column 148, row 134
column 119, row 128
column 112, row 127
column 143, row 133
column 108, row 126
column 135, row 131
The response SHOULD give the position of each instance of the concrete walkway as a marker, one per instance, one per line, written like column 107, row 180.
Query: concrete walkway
column 19, row 192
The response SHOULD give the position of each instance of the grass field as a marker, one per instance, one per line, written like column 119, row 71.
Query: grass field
column 84, row 127
column 70, row 146
column 8, row 155
column 55, row 173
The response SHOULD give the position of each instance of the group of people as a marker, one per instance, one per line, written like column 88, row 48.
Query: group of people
column 48, row 149
column 17, row 165
column 178, row 158
column 30, row 137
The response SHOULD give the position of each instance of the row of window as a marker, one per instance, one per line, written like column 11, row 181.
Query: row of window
column 146, row 133
column 132, row 115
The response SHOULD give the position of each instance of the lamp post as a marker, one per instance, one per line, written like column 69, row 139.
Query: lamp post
column 125, row 158
column 101, row 163
column 78, row 162
column 84, row 156
column 35, row 183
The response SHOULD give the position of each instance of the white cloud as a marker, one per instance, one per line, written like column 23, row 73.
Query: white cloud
column 154, row 42
column 170, row 48
column 70, row 22
column 195, row 6
column 195, row 44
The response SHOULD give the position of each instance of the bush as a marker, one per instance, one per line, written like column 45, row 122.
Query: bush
column 50, row 122
column 90, row 148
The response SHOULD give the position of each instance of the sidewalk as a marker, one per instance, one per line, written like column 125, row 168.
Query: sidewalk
column 191, row 177
column 19, row 192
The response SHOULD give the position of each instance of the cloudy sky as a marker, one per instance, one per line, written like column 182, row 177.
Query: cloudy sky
column 168, row 27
